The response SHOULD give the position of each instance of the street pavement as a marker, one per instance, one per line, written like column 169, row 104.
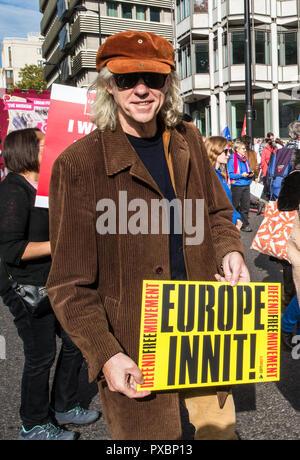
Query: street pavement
column 265, row 411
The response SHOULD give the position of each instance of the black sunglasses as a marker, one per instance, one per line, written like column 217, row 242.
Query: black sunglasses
column 130, row 80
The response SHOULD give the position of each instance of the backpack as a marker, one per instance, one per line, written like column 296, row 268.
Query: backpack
column 279, row 167
column 289, row 196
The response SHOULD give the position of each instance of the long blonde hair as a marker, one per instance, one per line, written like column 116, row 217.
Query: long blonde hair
column 104, row 108
column 215, row 145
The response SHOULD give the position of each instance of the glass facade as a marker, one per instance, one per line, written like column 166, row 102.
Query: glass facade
column 218, row 51
column 126, row 11
column 287, row 48
column 183, row 9
column 262, row 47
column 237, row 47
column 200, row 113
column 238, row 110
column 141, row 12
column 184, row 61
column 202, row 57
column 288, row 111
column 154, row 14
column 112, row 9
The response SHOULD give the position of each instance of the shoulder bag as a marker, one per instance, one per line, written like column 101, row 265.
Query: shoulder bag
column 34, row 298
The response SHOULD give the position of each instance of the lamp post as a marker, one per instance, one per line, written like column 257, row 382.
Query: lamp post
column 83, row 8
column 248, row 73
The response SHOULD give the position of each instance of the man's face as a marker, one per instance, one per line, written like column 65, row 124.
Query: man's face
column 139, row 106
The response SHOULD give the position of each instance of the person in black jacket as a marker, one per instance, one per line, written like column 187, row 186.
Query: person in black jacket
column 289, row 200
column 25, row 248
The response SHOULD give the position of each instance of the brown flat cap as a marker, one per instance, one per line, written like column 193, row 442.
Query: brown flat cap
column 133, row 51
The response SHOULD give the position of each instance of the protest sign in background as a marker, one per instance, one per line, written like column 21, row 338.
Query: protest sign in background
column 68, row 120
column 23, row 109
column 196, row 334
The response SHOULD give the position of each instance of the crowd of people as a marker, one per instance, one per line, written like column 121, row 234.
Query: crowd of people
column 93, row 281
column 267, row 162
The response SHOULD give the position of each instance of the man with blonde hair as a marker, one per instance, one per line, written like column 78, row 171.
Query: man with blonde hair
column 144, row 152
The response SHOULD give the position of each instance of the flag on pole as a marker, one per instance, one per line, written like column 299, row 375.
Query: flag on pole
column 226, row 133
column 244, row 130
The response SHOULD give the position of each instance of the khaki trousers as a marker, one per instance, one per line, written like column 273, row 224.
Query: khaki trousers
column 210, row 421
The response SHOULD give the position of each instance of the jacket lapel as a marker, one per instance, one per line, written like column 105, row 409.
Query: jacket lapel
column 180, row 156
column 124, row 156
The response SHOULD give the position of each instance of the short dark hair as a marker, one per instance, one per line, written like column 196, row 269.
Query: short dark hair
column 20, row 150
column 246, row 140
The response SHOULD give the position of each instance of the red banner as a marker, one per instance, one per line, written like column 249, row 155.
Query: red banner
column 20, row 109
column 68, row 120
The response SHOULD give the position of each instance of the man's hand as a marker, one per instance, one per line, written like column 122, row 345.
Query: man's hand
column 239, row 224
column 122, row 375
column 235, row 270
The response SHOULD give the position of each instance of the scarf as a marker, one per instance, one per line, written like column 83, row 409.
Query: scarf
column 236, row 158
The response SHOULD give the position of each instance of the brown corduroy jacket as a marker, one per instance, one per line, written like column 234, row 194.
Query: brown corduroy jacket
column 95, row 283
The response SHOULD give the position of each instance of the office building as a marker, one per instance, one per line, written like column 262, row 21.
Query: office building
column 74, row 29
column 210, row 41
column 18, row 52
column 208, row 36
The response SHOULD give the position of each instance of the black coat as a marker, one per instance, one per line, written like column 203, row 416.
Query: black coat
column 289, row 196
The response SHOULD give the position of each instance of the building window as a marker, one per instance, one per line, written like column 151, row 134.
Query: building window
column 186, row 4
column 287, row 48
column 200, row 6
column 112, row 9
column 238, row 111
column 9, row 57
column 185, row 62
column 154, row 15
column 179, row 65
column 140, row 13
column 225, row 49
column 183, row 9
column 199, row 119
column 178, row 11
column 288, row 111
column 216, row 53
column 237, row 47
column 262, row 47
column 202, row 57
column 126, row 11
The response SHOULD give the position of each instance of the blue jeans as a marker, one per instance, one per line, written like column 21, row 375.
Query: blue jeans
column 39, row 341
column 291, row 317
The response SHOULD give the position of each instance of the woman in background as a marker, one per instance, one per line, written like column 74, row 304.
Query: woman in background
column 219, row 152
column 240, row 175
column 25, row 248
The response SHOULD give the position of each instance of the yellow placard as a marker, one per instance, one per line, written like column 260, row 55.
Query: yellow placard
column 200, row 334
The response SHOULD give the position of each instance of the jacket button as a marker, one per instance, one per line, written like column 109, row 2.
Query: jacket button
column 159, row 270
